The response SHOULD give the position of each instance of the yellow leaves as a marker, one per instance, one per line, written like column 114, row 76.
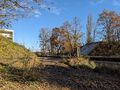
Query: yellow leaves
column 67, row 46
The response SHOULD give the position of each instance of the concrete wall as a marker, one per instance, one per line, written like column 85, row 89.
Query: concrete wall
column 7, row 33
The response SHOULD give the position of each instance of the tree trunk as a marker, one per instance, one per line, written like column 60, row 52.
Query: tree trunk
column 78, row 51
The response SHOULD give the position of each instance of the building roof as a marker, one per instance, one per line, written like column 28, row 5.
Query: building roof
column 88, row 48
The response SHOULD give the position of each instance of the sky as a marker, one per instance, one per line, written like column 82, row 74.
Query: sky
column 26, row 31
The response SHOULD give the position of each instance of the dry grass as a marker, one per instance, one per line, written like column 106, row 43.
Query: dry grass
column 28, row 73
column 80, row 62
column 56, row 76
column 16, row 55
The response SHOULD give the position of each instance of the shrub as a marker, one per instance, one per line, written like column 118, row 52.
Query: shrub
column 80, row 62
column 106, row 49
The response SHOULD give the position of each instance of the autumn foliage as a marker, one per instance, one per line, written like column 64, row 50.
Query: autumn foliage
column 64, row 40
column 110, row 23
column 59, row 42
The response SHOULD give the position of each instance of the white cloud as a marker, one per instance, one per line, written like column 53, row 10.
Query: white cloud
column 55, row 10
column 36, row 13
column 51, row 9
column 37, row 16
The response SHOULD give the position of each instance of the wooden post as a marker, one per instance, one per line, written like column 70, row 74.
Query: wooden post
column 78, row 51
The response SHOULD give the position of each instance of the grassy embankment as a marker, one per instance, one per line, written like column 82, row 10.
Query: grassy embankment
column 13, row 53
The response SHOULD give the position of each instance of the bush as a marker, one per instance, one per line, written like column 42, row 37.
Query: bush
column 80, row 62
column 106, row 49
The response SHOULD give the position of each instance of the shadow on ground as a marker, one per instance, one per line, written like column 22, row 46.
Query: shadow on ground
column 73, row 78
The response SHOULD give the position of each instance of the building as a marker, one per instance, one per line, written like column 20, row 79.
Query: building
column 101, row 48
column 7, row 33
column 88, row 48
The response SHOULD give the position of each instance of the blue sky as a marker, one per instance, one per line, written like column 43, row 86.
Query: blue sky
column 27, row 29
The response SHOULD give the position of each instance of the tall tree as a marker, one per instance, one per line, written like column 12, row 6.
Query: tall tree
column 89, row 29
column 69, row 40
column 44, row 37
column 55, row 41
column 94, row 31
column 58, row 41
column 116, row 28
column 76, row 32
column 109, row 21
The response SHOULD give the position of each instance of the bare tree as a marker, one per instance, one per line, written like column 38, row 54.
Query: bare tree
column 76, row 32
column 94, row 31
column 67, row 27
column 89, row 29
column 44, row 37
column 74, row 35
column 15, row 9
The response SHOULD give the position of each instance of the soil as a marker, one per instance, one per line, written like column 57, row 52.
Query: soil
column 55, row 75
